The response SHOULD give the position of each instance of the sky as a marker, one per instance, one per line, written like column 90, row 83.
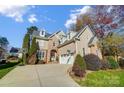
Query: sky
column 14, row 20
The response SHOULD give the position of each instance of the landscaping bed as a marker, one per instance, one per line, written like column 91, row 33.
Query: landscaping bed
column 5, row 68
column 102, row 78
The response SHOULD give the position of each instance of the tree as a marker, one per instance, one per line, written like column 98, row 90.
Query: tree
column 29, row 44
column 31, row 29
column 33, row 48
column 4, row 41
column 79, row 66
column 26, row 42
column 82, row 21
column 26, row 47
column 111, row 45
column 102, row 19
column 105, row 19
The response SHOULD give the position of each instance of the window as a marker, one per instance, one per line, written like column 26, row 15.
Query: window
column 41, row 55
column 59, row 41
column 83, row 51
column 41, row 43
column 53, row 43
column 42, row 32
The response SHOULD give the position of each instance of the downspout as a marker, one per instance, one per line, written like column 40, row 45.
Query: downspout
column 75, row 46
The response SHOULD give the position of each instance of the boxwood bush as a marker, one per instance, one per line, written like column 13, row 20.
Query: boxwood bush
column 79, row 66
column 112, row 62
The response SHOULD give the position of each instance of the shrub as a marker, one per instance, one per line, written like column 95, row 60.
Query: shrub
column 20, row 60
column 105, row 65
column 92, row 62
column 121, row 63
column 113, row 64
column 79, row 66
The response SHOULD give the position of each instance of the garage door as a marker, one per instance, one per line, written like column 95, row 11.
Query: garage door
column 66, row 59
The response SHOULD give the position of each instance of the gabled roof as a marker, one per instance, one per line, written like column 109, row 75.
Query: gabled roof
column 76, row 37
column 1, row 49
column 37, row 33
column 83, row 29
column 55, row 33
column 42, row 38
column 92, row 41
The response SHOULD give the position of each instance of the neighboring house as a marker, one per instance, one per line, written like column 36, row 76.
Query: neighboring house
column 2, row 53
column 63, row 48
column 15, row 52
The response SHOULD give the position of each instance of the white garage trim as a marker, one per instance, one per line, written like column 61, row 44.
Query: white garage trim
column 66, row 59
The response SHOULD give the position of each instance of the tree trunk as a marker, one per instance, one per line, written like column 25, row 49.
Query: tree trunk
column 32, row 59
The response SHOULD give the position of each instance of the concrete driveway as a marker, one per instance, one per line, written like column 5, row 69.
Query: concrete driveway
column 49, row 75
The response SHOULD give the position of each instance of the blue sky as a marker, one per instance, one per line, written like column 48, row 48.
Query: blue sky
column 15, row 19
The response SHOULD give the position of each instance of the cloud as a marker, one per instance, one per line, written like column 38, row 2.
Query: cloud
column 14, row 12
column 83, row 10
column 71, row 21
column 32, row 18
column 75, row 13
column 48, row 19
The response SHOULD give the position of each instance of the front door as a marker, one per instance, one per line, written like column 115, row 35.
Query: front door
column 53, row 56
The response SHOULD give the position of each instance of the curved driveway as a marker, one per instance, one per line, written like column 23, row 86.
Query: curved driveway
column 49, row 75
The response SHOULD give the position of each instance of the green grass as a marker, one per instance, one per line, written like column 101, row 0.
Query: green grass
column 109, row 78
column 4, row 69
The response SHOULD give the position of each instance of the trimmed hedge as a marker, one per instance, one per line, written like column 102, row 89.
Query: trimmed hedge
column 79, row 66
column 113, row 64
column 92, row 62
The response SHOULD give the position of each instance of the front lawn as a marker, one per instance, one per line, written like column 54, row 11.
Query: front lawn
column 108, row 78
column 4, row 69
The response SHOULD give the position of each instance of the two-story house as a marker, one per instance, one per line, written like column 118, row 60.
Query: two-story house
column 63, row 48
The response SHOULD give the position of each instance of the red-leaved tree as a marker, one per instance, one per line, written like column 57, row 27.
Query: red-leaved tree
column 103, row 19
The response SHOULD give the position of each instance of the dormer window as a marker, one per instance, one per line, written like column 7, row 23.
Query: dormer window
column 59, row 41
column 42, row 33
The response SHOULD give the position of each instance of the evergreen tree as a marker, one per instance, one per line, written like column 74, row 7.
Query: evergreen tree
column 31, row 29
column 26, row 45
column 33, row 48
column 26, row 42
